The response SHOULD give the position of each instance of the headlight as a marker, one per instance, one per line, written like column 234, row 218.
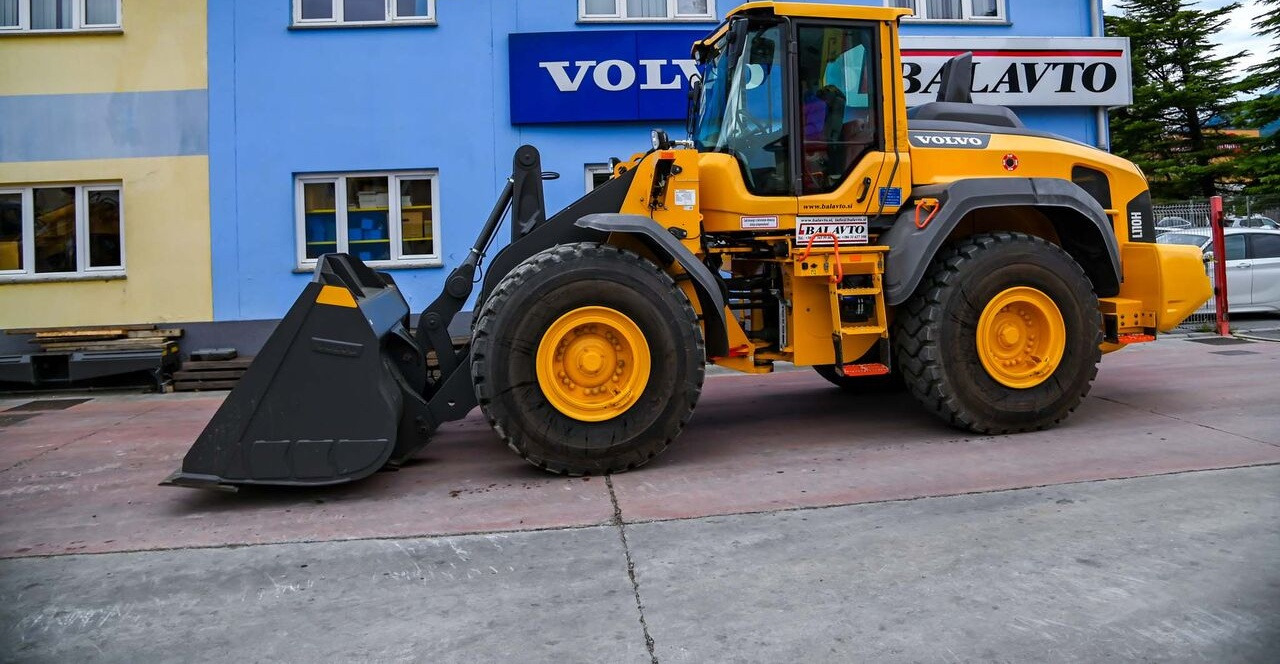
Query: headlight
column 660, row 139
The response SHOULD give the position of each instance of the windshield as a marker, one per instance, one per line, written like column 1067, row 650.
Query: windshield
column 740, row 110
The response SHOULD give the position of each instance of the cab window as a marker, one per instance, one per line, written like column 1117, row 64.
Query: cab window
column 743, row 111
column 838, row 80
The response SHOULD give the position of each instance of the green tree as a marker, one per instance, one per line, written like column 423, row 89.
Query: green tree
column 1261, row 167
column 1180, row 89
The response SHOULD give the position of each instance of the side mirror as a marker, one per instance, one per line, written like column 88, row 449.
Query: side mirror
column 1208, row 256
column 692, row 108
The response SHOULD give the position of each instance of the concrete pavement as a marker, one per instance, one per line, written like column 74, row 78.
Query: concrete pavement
column 1175, row 568
column 717, row 544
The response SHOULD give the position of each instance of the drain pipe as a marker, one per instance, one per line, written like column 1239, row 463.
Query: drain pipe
column 1100, row 114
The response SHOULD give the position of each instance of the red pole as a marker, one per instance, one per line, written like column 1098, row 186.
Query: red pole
column 1219, row 265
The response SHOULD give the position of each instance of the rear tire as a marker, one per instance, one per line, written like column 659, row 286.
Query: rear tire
column 1001, row 336
column 604, row 298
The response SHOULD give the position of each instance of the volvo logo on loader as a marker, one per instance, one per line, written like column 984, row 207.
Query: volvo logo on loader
column 923, row 139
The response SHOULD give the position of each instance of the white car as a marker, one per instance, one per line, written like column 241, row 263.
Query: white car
column 1253, row 264
column 1256, row 221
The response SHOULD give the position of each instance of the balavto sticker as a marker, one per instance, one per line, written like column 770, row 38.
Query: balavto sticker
column 759, row 223
column 849, row 230
column 946, row 139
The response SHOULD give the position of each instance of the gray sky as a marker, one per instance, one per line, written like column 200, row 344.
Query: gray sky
column 1236, row 36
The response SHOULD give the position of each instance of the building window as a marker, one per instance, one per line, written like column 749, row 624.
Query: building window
column 50, row 231
column 382, row 218
column 647, row 10
column 597, row 174
column 318, row 13
column 952, row 10
column 59, row 15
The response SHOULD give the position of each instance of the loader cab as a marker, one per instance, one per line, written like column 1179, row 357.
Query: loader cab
column 799, row 102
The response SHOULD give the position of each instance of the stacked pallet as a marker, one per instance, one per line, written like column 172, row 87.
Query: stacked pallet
column 210, row 374
column 104, row 338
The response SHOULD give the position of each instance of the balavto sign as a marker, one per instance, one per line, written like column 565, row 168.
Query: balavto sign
column 1024, row 71
column 638, row 75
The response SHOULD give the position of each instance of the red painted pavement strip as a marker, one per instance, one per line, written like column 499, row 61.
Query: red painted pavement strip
column 1235, row 393
column 97, row 493
column 49, row 430
column 833, row 449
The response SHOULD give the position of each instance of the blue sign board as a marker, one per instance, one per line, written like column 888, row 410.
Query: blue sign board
column 600, row 76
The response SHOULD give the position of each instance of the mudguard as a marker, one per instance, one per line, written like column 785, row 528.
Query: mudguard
column 911, row 248
column 667, row 248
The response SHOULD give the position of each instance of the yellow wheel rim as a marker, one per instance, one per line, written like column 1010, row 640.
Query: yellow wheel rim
column 1021, row 337
column 593, row 364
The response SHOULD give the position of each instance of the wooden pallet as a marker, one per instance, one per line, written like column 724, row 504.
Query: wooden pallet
column 106, row 337
column 196, row 376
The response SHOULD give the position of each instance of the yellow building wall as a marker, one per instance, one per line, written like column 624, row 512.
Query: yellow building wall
column 163, row 47
column 166, row 240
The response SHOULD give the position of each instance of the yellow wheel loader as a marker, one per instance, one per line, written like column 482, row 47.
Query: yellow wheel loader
column 810, row 218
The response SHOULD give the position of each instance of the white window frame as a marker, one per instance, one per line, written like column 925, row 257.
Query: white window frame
column 592, row 170
column 394, row 234
column 921, row 9
column 78, row 14
column 619, row 14
column 83, row 269
column 337, row 19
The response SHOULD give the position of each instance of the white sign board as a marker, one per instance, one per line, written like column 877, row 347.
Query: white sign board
column 1024, row 71
column 821, row 230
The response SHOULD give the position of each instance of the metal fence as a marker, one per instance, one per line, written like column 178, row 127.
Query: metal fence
column 1192, row 214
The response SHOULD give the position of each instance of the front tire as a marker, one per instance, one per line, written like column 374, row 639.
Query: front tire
column 1002, row 335
column 587, row 359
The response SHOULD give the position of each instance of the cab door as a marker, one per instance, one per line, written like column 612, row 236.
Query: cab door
column 847, row 166
column 1264, row 256
column 1239, row 272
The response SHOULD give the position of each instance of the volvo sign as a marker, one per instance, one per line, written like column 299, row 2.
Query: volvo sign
column 638, row 75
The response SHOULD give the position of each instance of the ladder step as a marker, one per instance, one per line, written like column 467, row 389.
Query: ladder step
column 857, row 291
column 870, row 369
column 861, row 329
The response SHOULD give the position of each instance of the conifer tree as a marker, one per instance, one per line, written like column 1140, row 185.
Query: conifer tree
column 1181, row 89
column 1261, row 168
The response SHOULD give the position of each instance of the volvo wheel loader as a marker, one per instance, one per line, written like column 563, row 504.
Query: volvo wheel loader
column 810, row 218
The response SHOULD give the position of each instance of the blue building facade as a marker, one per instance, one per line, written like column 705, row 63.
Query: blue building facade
column 386, row 127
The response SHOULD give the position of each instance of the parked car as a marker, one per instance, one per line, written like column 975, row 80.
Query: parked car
column 1168, row 224
column 1253, row 264
column 1255, row 221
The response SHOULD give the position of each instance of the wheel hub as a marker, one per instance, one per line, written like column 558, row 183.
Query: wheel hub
column 1021, row 337
column 593, row 363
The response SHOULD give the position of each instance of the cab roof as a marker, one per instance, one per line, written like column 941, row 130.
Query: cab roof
column 820, row 10
column 804, row 10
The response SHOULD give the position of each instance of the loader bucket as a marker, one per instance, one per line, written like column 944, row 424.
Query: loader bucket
column 325, row 401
